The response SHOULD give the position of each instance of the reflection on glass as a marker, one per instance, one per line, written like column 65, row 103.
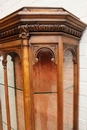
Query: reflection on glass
column 15, row 87
column 45, row 91
column 11, row 89
column 0, row 116
column 68, row 83
column 19, row 92
column 3, row 119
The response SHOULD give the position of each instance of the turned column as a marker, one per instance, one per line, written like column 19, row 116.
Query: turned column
column 4, row 62
column 60, row 84
column 24, row 34
column 76, row 89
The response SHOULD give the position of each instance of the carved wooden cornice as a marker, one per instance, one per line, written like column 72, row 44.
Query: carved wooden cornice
column 54, row 28
column 24, row 30
column 9, row 32
column 30, row 19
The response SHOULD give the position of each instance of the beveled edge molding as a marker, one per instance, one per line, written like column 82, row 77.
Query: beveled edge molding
column 23, row 30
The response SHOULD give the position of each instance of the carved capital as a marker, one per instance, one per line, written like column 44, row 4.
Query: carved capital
column 4, row 63
column 23, row 31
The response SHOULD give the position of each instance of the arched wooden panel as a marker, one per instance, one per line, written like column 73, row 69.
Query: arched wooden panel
column 45, row 91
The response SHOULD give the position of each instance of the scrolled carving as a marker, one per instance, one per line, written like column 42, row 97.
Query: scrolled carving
column 23, row 31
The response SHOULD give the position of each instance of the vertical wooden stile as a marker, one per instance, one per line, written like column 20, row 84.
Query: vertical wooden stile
column 76, row 89
column 6, row 95
column 26, row 84
column 60, row 84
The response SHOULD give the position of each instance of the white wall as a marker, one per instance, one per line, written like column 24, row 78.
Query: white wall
column 78, row 8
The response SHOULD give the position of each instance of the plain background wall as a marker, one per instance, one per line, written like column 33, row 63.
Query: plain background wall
column 78, row 8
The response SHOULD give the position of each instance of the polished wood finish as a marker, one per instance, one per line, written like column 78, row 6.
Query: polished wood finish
column 26, row 85
column 76, row 90
column 60, row 84
column 6, row 94
column 26, row 32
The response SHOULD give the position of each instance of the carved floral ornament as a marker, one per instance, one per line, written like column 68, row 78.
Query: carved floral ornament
column 23, row 30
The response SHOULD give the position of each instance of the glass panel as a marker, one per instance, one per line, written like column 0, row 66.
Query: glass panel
column 3, row 119
column 19, row 92
column 15, row 86
column 45, row 92
column 68, row 83
column 11, row 89
column 0, row 115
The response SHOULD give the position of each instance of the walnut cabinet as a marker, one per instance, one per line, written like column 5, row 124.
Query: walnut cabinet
column 43, row 46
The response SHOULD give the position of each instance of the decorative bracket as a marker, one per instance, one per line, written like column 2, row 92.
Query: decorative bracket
column 23, row 31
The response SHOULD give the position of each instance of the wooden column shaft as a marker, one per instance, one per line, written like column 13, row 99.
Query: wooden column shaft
column 7, row 98
column 76, row 89
column 26, row 84
column 60, row 84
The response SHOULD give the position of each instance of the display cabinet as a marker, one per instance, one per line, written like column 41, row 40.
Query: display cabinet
column 40, row 49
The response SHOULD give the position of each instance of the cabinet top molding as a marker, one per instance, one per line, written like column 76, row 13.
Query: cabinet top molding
column 41, row 19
